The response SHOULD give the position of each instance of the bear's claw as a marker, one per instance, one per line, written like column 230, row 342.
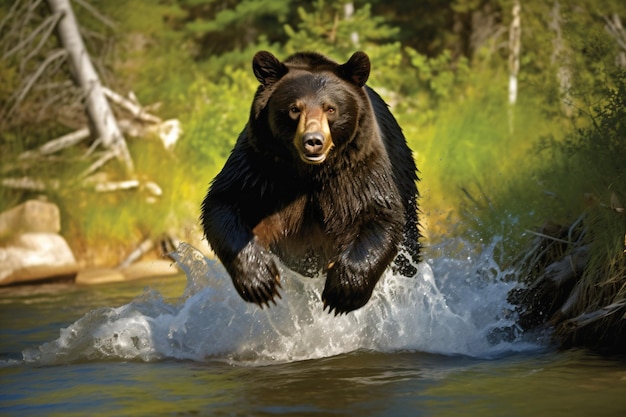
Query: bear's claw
column 255, row 275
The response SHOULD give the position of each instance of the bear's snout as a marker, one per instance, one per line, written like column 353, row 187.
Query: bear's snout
column 313, row 139
column 313, row 143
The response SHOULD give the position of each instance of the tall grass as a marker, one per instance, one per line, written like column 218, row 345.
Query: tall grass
column 479, row 163
column 596, row 160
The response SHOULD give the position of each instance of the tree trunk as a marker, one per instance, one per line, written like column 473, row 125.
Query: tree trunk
column 82, row 69
column 617, row 31
column 560, row 58
column 348, row 11
column 515, row 44
column 515, row 41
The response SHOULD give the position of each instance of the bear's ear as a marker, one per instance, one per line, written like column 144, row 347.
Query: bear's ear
column 357, row 69
column 267, row 68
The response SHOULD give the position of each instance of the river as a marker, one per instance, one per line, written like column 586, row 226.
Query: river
column 441, row 343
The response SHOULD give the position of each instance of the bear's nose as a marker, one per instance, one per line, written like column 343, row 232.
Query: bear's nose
column 313, row 143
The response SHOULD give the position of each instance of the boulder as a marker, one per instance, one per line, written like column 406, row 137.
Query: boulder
column 32, row 216
column 150, row 268
column 35, row 256
column 93, row 276
column 30, row 247
column 138, row 270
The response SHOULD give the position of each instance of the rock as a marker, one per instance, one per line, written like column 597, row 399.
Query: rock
column 99, row 276
column 32, row 216
column 147, row 269
column 138, row 270
column 30, row 247
column 35, row 256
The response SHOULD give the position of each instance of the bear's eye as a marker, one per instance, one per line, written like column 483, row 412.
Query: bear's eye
column 331, row 113
column 294, row 112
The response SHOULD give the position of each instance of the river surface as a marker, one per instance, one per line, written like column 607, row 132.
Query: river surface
column 442, row 343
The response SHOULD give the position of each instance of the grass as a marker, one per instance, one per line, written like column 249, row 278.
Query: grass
column 481, row 170
column 588, row 174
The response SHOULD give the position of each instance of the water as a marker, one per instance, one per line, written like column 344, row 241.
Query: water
column 441, row 343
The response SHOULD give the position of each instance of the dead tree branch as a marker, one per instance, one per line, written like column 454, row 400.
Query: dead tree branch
column 28, row 84
column 133, row 107
column 95, row 13
column 46, row 27
column 57, row 144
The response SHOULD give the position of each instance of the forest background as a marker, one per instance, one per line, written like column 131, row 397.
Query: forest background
column 514, row 109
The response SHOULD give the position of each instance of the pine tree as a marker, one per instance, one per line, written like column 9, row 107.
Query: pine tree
column 221, row 26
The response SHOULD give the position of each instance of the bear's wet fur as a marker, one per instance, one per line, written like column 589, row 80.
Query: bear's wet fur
column 321, row 177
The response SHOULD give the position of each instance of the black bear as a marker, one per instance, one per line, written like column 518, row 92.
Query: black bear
column 321, row 177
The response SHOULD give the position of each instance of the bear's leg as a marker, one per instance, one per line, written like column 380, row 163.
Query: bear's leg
column 352, row 277
column 250, row 266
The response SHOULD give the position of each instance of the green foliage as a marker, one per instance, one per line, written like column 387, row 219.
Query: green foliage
column 8, row 73
column 218, row 113
column 595, row 155
column 223, row 26
column 558, row 175
column 328, row 30
column 241, row 13
column 440, row 78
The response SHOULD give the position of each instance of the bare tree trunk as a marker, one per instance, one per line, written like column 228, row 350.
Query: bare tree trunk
column 560, row 58
column 515, row 44
column 515, row 41
column 83, row 71
column 617, row 31
column 348, row 11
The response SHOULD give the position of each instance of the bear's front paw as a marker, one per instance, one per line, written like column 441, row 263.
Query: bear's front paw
column 346, row 289
column 255, row 275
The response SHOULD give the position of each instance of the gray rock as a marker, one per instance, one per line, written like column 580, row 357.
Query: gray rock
column 35, row 256
column 31, row 216
column 30, row 247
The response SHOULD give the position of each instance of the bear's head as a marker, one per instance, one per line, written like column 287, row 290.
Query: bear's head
column 308, row 105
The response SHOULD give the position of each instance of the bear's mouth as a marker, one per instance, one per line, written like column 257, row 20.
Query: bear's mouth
column 314, row 158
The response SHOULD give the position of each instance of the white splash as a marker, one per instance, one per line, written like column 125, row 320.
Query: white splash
column 451, row 306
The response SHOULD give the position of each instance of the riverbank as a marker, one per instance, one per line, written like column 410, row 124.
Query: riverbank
column 33, row 251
